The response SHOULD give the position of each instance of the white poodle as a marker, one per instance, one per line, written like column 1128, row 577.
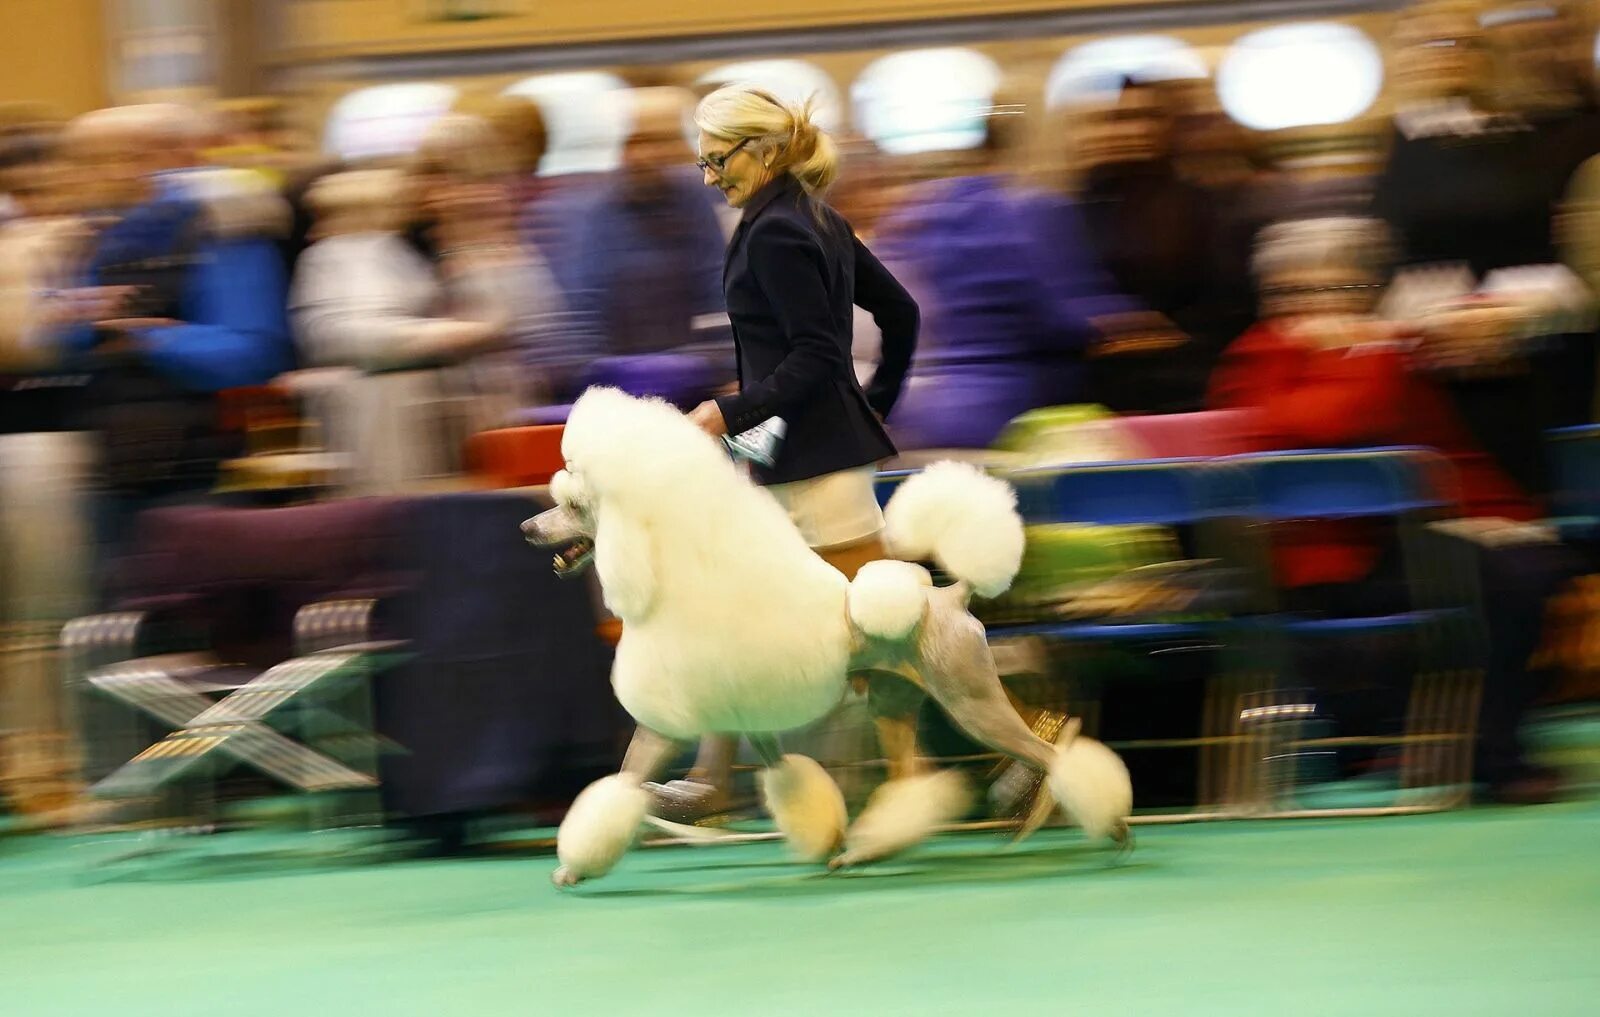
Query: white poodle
column 732, row 625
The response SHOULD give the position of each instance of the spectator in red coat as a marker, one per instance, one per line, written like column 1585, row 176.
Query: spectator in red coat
column 1320, row 371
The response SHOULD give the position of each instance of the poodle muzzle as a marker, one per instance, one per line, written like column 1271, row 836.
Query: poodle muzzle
column 566, row 533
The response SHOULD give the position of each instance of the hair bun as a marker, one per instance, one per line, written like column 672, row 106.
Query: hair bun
column 803, row 132
column 802, row 147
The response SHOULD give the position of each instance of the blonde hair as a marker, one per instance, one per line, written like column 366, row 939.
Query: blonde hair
column 659, row 107
column 801, row 148
column 360, row 200
column 518, row 121
column 149, row 124
column 465, row 146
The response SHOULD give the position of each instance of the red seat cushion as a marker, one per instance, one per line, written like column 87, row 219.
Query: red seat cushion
column 516, row 456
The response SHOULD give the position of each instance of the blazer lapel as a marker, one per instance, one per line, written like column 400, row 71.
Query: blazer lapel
column 752, row 209
column 733, row 247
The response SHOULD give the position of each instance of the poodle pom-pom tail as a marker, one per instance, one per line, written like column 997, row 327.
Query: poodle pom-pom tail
column 888, row 598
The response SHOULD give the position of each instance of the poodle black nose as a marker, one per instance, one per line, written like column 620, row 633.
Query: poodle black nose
column 530, row 527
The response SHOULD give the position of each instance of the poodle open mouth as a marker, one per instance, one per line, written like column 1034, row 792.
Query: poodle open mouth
column 574, row 558
column 565, row 532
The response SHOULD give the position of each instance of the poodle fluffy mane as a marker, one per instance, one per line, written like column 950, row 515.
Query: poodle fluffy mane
column 730, row 622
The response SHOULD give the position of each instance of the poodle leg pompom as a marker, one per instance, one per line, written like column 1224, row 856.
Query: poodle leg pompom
column 1044, row 803
column 599, row 828
column 1092, row 784
column 903, row 813
column 807, row 806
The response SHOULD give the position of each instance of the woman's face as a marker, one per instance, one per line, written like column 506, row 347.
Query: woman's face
column 1546, row 58
column 38, row 188
column 733, row 168
column 1440, row 56
column 1331, row 290
column 1127, row 130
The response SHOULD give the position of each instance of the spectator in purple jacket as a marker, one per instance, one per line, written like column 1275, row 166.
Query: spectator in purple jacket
column 1015, row 298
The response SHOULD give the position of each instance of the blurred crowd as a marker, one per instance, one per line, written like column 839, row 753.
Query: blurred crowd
column 1136, row 251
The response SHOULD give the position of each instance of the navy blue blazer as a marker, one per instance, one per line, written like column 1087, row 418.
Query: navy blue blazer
column 793, row 272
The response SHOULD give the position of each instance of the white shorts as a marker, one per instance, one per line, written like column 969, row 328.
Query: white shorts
column 835, row 509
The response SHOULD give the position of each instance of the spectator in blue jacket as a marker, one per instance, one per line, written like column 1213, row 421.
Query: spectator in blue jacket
column 195, row 246
column 639, row 255
column 193, row 253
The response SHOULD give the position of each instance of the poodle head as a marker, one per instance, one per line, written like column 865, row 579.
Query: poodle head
column 625, row 458
column 568, row 529
column 638, row 450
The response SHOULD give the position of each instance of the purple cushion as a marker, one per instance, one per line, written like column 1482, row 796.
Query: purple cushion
column 676, row 377
column 242, row 573
column 540, row 415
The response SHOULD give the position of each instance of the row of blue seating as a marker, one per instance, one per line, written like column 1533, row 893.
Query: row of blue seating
column 1409, row 486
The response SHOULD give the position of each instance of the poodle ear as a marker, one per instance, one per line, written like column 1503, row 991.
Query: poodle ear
column 626, row 562
column 563, row 488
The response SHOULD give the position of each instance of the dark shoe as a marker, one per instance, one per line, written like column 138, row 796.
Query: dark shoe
column 686, row 801
column 441, row 837
column 1537, row 785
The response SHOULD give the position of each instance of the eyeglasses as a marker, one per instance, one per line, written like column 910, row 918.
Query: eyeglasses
column 717, row 163
column 1347, row 289
column 1452, row 42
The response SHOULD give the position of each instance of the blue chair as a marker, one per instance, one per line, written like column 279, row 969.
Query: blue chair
column 1170, row 492
column 1195, row 493
column 1164, row 492
column 1575, row 462
column 885, row 483
column 1344, row 483
column 1409, row 486
column 1205, row 498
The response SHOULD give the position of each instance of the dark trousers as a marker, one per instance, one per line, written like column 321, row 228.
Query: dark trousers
column 1516, row 583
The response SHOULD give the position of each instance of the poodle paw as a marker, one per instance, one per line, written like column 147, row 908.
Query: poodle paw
column 1039, row 812
column 564, row 877
column 1122, row 837
column 846, row 860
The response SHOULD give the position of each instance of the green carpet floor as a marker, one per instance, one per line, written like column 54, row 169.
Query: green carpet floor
column 1489, row 911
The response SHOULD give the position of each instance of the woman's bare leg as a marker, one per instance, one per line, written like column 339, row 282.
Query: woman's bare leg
column 848, row 558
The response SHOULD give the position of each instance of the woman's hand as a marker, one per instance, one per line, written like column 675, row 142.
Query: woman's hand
column 708, row 417
column 126, row 325
column 89, row 304
column 1134, row 333
column 1475, row 339
column 1341, row 331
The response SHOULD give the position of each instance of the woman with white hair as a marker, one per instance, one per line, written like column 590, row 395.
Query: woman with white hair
column 465, row 177
column 1320, row 370
column 364, row 301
